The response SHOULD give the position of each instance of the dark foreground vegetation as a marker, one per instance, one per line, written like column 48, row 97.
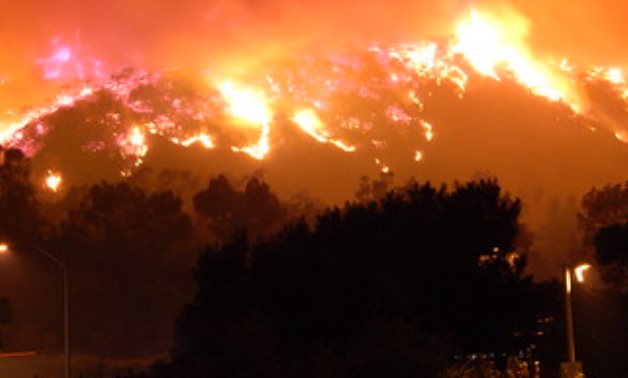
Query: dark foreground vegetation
column 392, row 287
column 415, row 281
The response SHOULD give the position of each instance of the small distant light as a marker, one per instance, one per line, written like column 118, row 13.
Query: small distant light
column 53, row 181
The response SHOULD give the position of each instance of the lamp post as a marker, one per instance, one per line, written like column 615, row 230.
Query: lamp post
column 4, row 248
column 572, row 368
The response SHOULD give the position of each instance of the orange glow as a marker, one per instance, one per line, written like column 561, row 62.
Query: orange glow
column 493, row 42
column 622, row 136
column 53, row 181
column 203, row 139
column 137, row 138
column 251, row 107
column 428, row 130
column 9, row 128
column 314, row 86
column 615, row 75
column 248, row 105
column 4, row 248
column 135, row 144
column 261, row 148
column 309, row 122
column 383, row 167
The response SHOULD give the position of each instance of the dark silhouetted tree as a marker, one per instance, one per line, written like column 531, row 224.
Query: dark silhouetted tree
column 369, row 190
column 387, row 287
column 601, row 208
column 603, row 224
column 129, row 253
column 255, row 209
column 20, row 220
column 611, row 252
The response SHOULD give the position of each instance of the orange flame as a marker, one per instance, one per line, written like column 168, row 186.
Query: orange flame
column 251, row 107
column 309, row 122
column 202, row 138
column 490, row 42
column 53, row 181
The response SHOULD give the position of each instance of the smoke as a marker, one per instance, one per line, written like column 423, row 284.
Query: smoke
column 591, row 32
column 162, row 35
column 160, row 32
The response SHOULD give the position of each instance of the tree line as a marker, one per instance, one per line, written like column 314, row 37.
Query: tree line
column 403, row 281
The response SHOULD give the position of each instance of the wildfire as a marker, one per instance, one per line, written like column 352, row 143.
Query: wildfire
column 615, row 75
column 246, row 104
column 137, row 142
column 309, row 122
column 251, row 107
column 202, row 138
column 53, row 181
column 10, row 130
column 490, row 43
column 337, row 99
column 261, row 148
column 428, row 130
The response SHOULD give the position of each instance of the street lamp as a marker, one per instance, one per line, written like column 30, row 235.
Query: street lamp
column 572, row 368
column 4, row 248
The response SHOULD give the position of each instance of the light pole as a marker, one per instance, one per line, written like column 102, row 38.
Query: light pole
column 572, row 368
column 4, row 248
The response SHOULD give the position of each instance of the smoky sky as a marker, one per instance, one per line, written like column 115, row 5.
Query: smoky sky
column 199, row 34
column 161, row 33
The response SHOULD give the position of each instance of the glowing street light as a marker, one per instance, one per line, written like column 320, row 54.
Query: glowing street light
column 579, row 271
column 572, row 368
column 5, row 248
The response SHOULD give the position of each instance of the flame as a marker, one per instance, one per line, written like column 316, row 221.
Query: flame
column 250, row 106
column 53, row 181
column 134, row 144
column 137, row 139
column 428, row 130
column 622, row 136
column 309, row 122
column 261, row 148
column 11, row 129
column 490, row 42
column 385, row 169
column 204, row 139
column 615, row 75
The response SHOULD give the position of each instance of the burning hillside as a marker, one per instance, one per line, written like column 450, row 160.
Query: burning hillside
column 477, row 102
